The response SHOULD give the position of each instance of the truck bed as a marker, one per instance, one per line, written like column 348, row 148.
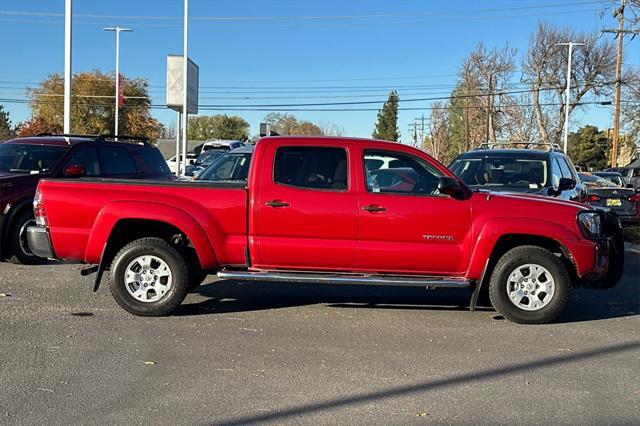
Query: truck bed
column 84, row 205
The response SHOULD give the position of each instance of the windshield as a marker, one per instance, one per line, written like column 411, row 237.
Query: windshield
column 612, row 177
column 227, row 168
column 593, row 180
column 23, row 158
column 502, row 172
column 208, row 157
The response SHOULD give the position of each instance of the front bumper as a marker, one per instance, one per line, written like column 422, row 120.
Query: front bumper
column 609, row 257
column 39, row 242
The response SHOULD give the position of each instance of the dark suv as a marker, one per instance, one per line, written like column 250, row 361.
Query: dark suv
column 24, row 161
column 535, row 168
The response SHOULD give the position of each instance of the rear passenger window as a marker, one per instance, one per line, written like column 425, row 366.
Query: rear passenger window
column 86, row 157
column 312, row 167
column 117, row 161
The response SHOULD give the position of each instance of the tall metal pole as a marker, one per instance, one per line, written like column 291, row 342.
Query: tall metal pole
column 568, row 91
column 117, row 30
column 67, row 66
column 566, row 103
column 616, row 110
column 178, row 129
column 185, row 81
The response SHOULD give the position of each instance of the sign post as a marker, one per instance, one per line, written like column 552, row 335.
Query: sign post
column 175, row 99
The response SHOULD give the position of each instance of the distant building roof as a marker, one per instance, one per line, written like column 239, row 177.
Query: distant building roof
column 168, row 146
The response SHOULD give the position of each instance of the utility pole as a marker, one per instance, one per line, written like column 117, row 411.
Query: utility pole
column 568, row 91
column 67, row 66
column 620, row 32
column 489, row 133
column 117, row 30
column 417, row 128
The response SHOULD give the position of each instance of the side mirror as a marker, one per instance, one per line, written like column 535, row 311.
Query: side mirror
column 566, row 183
column 449, row 186
column 629, row 185
column 75, row 170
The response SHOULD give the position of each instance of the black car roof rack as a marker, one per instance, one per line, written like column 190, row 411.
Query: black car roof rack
column 123, row 138
column 519, row 145
column 101, row 138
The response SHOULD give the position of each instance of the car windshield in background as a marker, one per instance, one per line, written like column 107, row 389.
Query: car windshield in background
column 502, row 172
column 593, row 180
column 614, row 178
column 229, row 167
column 207, row 157
column 23, row 158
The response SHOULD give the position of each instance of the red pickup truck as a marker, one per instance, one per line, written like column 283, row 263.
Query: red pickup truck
column 333, row 211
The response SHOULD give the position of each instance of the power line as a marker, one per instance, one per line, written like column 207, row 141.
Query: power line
column 296, row 18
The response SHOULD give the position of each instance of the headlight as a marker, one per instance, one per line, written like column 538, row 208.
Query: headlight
column 590, row 223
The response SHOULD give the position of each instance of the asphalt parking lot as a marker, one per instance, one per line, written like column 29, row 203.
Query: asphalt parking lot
column 249, row 353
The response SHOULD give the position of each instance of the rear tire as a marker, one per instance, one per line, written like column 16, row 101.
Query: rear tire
column 149, row 277
column 20, row 253
column 529, row 285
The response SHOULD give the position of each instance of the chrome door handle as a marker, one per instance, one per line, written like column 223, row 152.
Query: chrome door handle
column 277, row 203
column 373, row 208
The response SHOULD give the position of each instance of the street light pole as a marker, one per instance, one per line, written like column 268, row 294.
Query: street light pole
column 67, row 66
column 185, row 81
column 117, row 30
column 568, row 91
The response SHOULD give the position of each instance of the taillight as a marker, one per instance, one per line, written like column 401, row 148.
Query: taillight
column 593, row 198
column 39, row 211
column 635, row 198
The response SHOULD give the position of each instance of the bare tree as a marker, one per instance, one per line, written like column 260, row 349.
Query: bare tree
column 544, row 69
column 437, row 142
column 331, row 129
column 493, row 70
column 519, row 119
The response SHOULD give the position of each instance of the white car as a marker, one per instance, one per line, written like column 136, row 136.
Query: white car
column 226, row 145
column 171, row 162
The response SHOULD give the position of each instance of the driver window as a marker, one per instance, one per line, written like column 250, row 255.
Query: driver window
column 394, row 173
column 86, row 157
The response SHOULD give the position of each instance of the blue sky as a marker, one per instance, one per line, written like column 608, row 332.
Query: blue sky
column 287, row 51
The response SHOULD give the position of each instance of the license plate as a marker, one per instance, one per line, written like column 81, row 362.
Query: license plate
column 613, row 202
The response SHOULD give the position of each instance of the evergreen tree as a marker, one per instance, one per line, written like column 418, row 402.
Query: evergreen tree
column 5, row 125
column 589, row 147
column 387, row 125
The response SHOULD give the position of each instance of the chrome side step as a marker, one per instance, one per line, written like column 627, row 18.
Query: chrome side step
column 345, row 279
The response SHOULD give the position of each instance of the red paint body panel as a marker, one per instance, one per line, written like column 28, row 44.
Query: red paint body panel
column 81, row 223
column 318, row 229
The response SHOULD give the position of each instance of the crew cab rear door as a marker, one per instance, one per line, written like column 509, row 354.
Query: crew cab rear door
column 306, row 211
column 405, row 225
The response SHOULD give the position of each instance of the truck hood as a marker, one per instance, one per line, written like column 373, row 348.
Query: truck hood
column 527, row 212
column 536, row 197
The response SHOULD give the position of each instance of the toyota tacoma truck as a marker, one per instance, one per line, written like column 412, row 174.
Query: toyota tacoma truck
column 328, row 211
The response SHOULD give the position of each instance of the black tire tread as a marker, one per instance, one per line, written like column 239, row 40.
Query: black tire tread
column 546, row 314
column 145, row 243
column 15, row 256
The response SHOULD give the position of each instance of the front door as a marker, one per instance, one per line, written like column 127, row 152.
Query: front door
column 306, row 211
column 406, row 226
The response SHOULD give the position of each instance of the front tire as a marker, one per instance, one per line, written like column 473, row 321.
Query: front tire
column 149, row 278
column 20, row 251
column 529, row 285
